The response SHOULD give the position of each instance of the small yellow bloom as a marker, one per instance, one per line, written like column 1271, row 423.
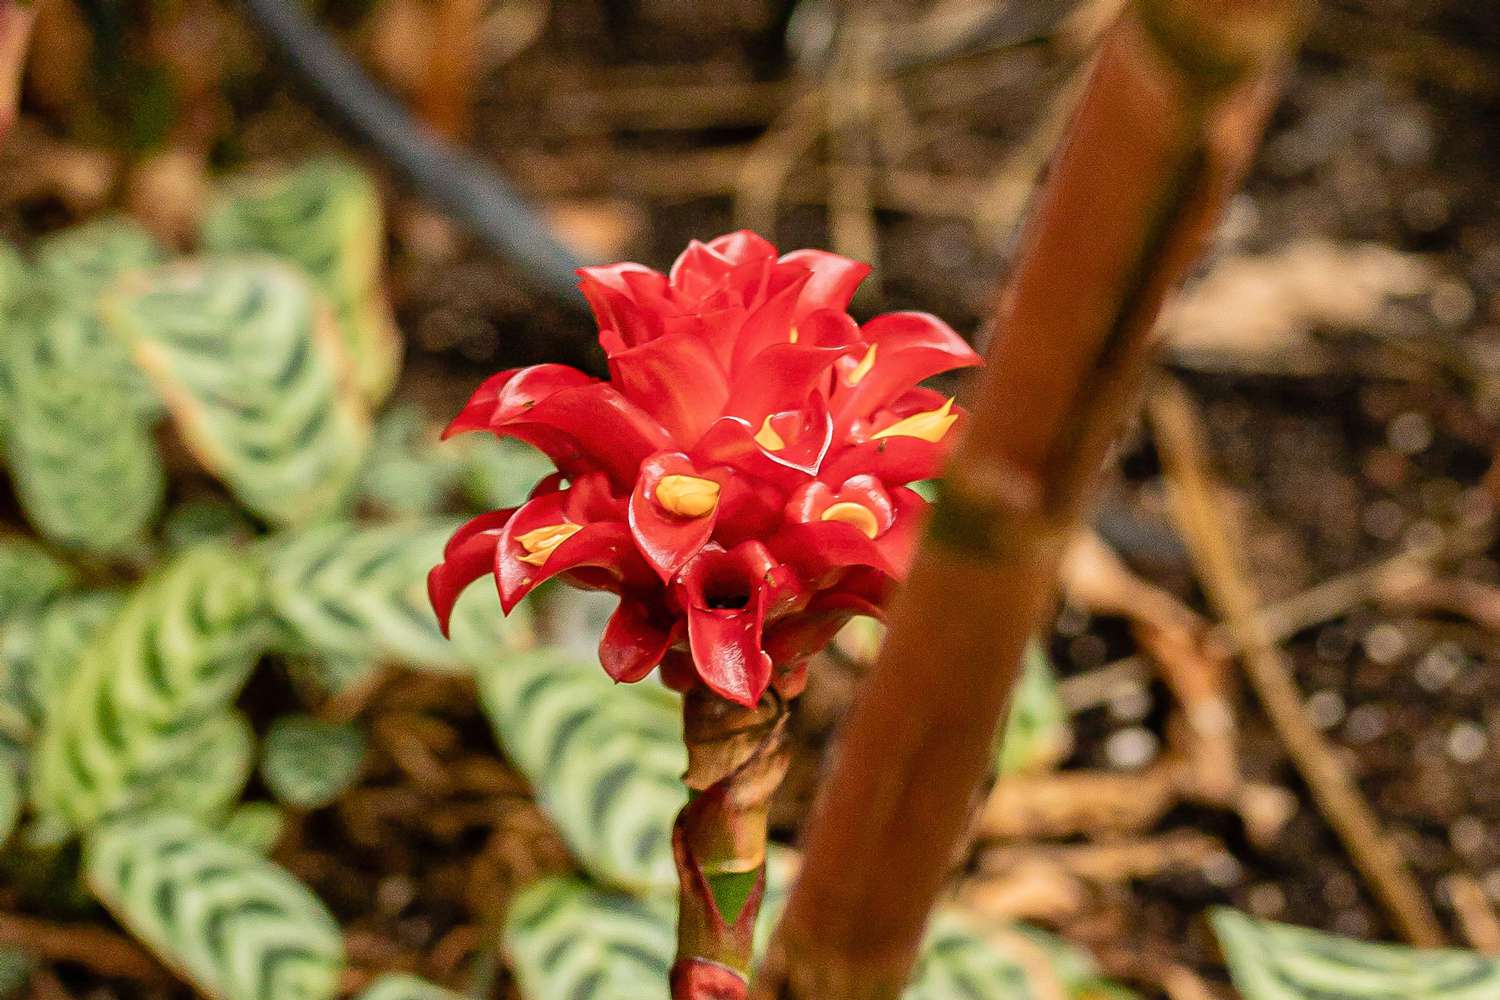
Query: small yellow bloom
column 767, row 437
column 687, row 496
column 863, row 368
column 539, row 542
column 856, row 514
column 930, row 425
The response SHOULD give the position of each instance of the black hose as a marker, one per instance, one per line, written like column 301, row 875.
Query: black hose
column 466, row 187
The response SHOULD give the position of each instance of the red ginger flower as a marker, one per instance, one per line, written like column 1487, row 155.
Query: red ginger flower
column 740, row 481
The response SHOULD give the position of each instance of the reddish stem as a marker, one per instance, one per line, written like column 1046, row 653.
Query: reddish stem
column 736, row 760
column 16, row 19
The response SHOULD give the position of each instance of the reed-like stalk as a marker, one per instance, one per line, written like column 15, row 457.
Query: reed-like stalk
column 16, row 17
column 1164, row 131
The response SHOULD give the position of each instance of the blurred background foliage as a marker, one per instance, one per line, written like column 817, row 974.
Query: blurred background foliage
column 238, row 753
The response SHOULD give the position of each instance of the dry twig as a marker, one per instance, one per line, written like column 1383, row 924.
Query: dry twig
column 104, row 952
column 1476, row 917
column 1216, row 540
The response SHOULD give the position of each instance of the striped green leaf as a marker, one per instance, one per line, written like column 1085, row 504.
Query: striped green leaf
column 246, row 357
column 80, row 262
column 398, row 986
column 498, row 473
column 60, row 297
column 39, row 651
column 211, row 765
column 255, row 826
column 1271, row 961
column 237, row 926
column 64, row 630
column 29, row 575
column 146, row 703
column 307, row 763
column 962, row 959
column 11, row 796
column 1038, row 733
column 606, row 760
column 15, row 971
column 360, row 594
column 568, row 938
column 202, row 520
column 409, row 472
column 79, row 449
column 326, row 216
column 14, row 280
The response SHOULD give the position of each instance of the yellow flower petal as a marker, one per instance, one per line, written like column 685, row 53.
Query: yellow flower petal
column 687, row 496
column 539, row 542
column 929, row 425
column 856, row 514
column 767, row 437
column 863, row 368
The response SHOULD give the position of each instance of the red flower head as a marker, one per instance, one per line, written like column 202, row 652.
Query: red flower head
column 740, row 481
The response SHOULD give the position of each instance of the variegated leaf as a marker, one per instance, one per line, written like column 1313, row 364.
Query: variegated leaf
column 80, row 451
column 307, row 763
column 360, row 593
column 963, row 959
column 11, row 796
column 39, row 651
column 80, row 262
column 606, row 760
column 246, row 357
column 326, row 216
column 397, row 986
column 29, row 575
column 149, row 693
column 498, row 472
column 210, row 767
column 255, row 826
column 237, row 926
column 409, row 472
column 1271, row 961
column 195, row 521
column 15, row 971
column 14, row 280
column 568, row 938
column 1038, row 733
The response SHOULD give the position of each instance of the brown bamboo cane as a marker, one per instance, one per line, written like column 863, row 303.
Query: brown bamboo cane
column 16, row 18
column 1164, row 131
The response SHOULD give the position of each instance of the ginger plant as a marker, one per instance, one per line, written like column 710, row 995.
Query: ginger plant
column 741, row 483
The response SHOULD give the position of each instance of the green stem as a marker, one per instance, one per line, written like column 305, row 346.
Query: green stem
column 736, row 759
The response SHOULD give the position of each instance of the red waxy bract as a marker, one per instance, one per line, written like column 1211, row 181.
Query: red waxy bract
column 740, row 481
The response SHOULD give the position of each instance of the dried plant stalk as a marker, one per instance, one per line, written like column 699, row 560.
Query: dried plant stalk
column 1217, row 542
column 1166, row 126
column 16, row 17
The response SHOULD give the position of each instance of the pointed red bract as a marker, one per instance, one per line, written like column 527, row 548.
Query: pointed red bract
column 667, row 539
column 740, row 482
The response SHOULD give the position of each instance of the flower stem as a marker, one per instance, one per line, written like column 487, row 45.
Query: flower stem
column 737, row 757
